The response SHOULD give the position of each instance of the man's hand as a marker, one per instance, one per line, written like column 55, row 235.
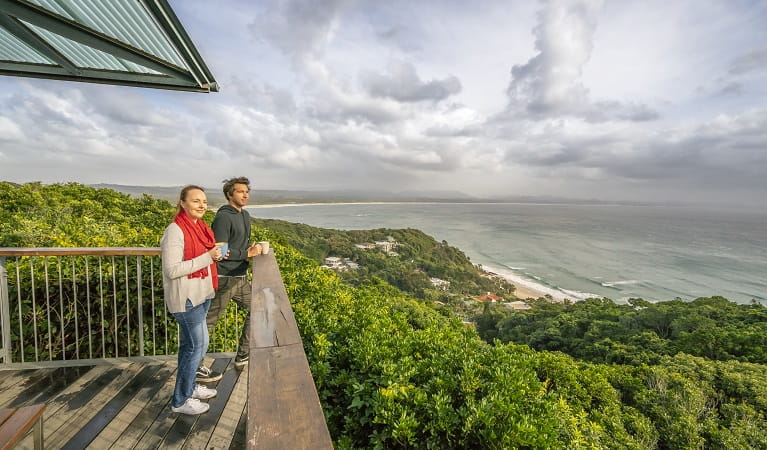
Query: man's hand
column 254, row 250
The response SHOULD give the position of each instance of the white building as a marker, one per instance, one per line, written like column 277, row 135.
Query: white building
column 439, row 283
column 386, row 246
column 334, row 262
column 518, row 306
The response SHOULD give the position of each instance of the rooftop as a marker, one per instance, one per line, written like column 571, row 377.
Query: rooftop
column 124, row 42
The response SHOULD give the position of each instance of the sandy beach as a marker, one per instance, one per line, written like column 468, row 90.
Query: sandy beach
column 526, row 288
column 525, row 292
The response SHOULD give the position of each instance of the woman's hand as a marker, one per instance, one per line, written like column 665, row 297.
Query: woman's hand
column 215, row 253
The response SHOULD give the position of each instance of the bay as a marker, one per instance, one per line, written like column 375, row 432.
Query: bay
column 578, row 251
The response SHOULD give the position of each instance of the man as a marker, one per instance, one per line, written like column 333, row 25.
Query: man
column 232, row 225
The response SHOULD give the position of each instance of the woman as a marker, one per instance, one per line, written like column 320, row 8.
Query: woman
column 190, row 278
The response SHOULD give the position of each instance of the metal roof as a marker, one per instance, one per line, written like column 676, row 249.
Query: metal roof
column 125, row 42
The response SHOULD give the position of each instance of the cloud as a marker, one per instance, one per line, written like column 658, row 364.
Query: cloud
column 731, row 88
column 403, row 84
column 299, row 28
column 752, row 61
column 550, row 83
column 402, row 37
column 10, row 131
column 723, row 153
column 263, row 139
column 607, row 110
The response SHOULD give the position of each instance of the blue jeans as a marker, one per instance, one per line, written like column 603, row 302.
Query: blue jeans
column 193, row 342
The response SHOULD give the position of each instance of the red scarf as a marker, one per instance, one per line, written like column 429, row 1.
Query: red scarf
column 198, row 239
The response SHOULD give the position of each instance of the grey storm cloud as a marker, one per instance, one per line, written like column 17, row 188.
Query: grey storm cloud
column 401, row 37
column 726, row 151
column 269, row 98
column 403, row 84
column 602, row 111
column 731, row 88
column 749, row 62
column 298, row 27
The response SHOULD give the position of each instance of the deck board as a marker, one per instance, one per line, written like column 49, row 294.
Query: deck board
column 111, row 409
column 203, row 429
column 88, row 403
column 17, row 383
column 148, row 412
column 58, row 404
column 230, row 416
column 125, row 405
column 118, row 428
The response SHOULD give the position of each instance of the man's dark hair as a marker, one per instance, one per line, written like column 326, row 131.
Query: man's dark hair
column 229, row 185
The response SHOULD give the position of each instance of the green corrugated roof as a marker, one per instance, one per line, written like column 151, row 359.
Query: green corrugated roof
column 127, row 42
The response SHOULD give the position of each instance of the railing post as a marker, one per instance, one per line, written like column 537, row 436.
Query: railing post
column 140, row 308
column 5, row 315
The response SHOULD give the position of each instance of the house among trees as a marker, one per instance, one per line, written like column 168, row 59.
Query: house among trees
column 388, row 245
column 336, row 263
column 489, row 298
column 518, row 306
column 439, row 283
column 333, row 262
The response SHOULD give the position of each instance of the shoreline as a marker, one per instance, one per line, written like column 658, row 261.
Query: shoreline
column 525, row 288
column 530, row 289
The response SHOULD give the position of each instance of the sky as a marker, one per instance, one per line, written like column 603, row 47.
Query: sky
column 639, row 100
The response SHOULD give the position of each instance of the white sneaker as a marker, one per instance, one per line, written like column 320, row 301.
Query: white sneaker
column 191, row 406
column 203, row 392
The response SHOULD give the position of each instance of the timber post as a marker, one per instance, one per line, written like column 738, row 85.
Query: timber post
column 5, row 315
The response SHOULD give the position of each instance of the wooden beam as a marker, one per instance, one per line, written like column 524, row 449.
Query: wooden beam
column 284, row 409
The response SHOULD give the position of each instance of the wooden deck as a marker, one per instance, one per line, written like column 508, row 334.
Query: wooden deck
column 125, row 404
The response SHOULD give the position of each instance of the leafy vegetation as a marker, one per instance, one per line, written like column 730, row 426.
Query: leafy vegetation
column 599, row 330
column 392, row 372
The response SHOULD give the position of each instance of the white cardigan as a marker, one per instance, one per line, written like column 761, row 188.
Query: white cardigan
column 177, row 285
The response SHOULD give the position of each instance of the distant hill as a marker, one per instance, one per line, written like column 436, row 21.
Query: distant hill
column 169, row 193
column 276, row 196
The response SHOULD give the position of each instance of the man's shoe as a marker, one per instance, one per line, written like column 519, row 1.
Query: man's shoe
column 191, row 406
column 201, row 392
column 206, row 375
column 240, row 361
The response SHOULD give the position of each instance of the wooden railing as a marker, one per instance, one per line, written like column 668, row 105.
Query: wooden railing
column 61, row 304
column 284, row 409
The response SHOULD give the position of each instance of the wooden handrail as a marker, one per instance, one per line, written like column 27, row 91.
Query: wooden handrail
column 79, row 251
column 284, row 409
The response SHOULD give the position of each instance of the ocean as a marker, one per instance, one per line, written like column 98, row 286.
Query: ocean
column 577, row 251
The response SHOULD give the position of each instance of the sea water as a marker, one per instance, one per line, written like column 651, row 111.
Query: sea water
column 578, row 251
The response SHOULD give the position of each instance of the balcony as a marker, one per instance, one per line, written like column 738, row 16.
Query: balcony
column 86, row 331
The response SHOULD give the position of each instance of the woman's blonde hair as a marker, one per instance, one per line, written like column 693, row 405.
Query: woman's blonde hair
column 184, row 191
